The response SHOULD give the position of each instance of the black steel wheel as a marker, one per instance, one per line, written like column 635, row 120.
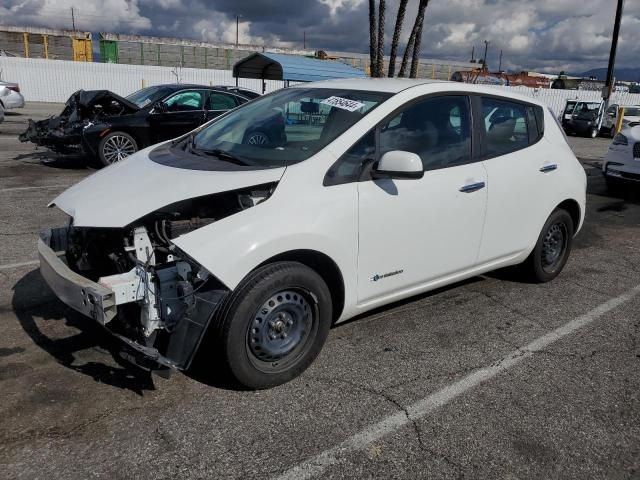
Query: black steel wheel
column 552, row 249
column 273, row 325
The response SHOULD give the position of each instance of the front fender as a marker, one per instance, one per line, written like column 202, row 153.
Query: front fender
column 234, row 246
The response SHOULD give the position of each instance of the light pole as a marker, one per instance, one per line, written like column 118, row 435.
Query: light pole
column 606, row 93
column 237, row 21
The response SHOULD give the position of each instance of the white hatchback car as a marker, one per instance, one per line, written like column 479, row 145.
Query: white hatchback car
column 364, row 192
column 622, row 161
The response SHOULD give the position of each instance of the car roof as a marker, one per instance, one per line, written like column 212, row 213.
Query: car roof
column 182, row 86
column 389, row 85
column 397, row 85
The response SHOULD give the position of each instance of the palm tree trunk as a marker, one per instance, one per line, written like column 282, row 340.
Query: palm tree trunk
column 415, row 61
column 373, row 44
column 410, row 44
column 402, row 8
column 380, row 51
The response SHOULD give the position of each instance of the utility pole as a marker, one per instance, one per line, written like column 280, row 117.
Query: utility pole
column 237, row 21
column 606, row 93
column 500, row 64
column 473, row 53
column 73, row 20
column 486, row 47
column 304, row 39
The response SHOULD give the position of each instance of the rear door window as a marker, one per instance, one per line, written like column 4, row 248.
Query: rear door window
column 506, row 128
column 222, row 101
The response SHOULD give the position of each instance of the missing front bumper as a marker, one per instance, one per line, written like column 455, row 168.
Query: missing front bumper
column 175, row 348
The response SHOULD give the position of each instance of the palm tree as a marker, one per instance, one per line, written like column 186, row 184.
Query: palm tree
column 372, row 38
column 380, row 51
column 410, row 44
column 402, row 8
column 415, row 61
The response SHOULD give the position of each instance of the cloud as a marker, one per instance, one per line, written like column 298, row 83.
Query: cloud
column 548, row 35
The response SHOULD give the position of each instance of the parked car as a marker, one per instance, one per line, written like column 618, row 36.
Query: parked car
column 108, row 127
column 10, row 96
column 610, row 119
column 391, row 188
column 621, row 163
column 582, row 118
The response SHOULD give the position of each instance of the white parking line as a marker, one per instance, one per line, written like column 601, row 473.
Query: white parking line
column 318, row 464
column 10, row 266
column 14, row 189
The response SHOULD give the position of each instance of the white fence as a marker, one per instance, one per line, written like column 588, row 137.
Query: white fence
column 556, row 99
column 55, row 80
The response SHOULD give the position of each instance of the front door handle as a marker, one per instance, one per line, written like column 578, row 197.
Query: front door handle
column 472, row 187
column 549, row 168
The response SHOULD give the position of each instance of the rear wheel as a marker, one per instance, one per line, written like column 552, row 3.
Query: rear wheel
column 115, row 146
column 552, row 249
column 273, row 325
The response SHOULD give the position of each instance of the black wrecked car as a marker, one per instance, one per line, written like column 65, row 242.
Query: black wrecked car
column 108, row 127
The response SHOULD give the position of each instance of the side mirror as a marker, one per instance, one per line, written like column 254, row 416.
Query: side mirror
column 160, row 107
column 399, row 164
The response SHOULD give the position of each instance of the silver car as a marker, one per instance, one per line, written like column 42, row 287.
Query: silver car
column 10, row 96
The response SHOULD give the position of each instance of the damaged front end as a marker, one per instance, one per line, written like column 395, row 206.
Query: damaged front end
column 64, row 133
column 137, row 283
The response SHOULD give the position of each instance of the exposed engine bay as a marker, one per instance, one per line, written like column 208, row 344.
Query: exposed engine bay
column 164, row 299
column 63, row 133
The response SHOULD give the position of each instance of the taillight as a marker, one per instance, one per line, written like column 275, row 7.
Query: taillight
column 15, row 88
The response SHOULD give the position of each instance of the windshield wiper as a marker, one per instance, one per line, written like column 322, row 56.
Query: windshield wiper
column 221, row 154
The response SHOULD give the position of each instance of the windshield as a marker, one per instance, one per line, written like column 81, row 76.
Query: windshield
column 631, row 111
column 148, row 95
column 570, row 106
column 285, row 127
column 587, row 110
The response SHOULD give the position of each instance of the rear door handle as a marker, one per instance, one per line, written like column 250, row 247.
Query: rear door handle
column 472, row 187
column 549, row 168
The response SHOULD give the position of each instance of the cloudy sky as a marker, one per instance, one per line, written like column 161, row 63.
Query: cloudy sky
column 546, row 35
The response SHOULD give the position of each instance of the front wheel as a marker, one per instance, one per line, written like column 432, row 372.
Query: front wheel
column 273, row 325
column 552, row 249
column 115, row 146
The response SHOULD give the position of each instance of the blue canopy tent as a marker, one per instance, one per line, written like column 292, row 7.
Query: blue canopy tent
column 278, row 66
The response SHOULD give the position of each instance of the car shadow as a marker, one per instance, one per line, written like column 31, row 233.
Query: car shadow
column 625, row 193
column 35, row 307
column 52, row 160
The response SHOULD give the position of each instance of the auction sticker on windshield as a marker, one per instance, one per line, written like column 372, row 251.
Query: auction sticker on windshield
column 343, row 103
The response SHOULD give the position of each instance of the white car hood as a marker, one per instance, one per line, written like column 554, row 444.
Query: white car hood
column 631, row 119
column 126, row 191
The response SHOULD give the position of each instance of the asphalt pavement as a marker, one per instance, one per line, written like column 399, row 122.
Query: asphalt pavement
column 489, row 378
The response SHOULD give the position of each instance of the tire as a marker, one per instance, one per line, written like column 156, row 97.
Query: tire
column 548, row 258
column 273, row 325
column 592, row 133
column 115, row 146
